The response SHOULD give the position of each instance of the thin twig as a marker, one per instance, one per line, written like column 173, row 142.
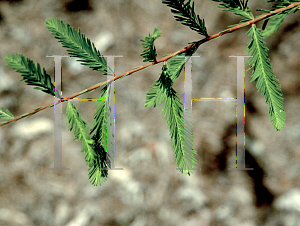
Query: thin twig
column 160, row 60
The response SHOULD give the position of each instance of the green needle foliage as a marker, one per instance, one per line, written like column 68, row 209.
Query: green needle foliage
column 187, row 15
column 283, row 3
column 5, row 114
column 95, row 147
column 274, row 24
column 262, row 70
column 80, row 132
column 150, row 51
column 237, row 7
column 99, row 171
column 77, row 44
column 176, row 121
column 180, row 134
column 277, row 19
column 264, row 77
column 103, row 137
column 100, row 122
column 158, row 92
column 97, row 143
column 31, row 75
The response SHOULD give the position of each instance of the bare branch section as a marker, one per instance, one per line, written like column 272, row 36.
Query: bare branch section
column 163, row 59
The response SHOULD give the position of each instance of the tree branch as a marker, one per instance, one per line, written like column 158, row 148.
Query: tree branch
column 211, row 37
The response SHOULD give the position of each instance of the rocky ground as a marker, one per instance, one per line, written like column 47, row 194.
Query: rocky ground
column 149, row 191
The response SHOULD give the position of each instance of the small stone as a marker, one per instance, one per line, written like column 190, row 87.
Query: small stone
column 289, row 201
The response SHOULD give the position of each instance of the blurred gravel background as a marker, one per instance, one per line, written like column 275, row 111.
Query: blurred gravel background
column 149, row 191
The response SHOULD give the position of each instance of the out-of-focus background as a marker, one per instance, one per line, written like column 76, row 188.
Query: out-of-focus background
column 149, row 191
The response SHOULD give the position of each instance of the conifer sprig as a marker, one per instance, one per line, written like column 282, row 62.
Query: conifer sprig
column 100, row 120
column 80, row 132
column 274, row 24
column 5, row 114
column 99, row 171
column 264, row 77
column 103, row 137
column 157, row 92
column 178, row 126
column 237, row 7
column 277, row 19
column 102, row 123
column 149, row 53
column 78, row 45
column 31, row 75
column 187, row 15
column 176, row 121
column 192, row 45
column 93, row 148
column 282, row 4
